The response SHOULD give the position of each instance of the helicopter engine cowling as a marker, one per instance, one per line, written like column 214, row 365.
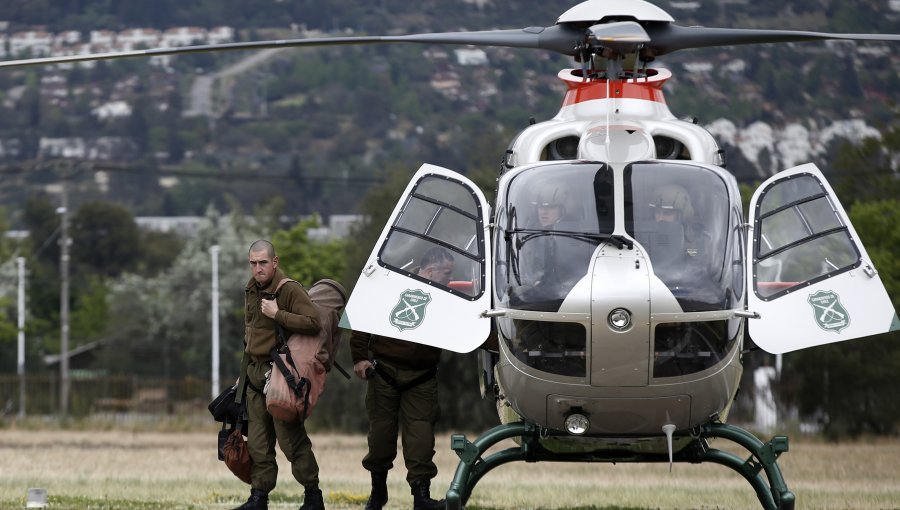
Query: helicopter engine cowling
column 616, row 121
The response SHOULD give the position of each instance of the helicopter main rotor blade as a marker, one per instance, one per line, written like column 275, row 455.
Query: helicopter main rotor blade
column 666, row 38
column 558, row 38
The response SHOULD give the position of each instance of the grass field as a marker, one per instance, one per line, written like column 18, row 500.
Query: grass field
column 178, row 470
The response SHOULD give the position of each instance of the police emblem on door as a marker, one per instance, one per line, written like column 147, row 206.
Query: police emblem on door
column 829, row 313
column 410, row 310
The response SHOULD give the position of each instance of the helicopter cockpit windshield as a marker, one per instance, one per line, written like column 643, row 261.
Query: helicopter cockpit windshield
column 554, row 218
column 680, row 214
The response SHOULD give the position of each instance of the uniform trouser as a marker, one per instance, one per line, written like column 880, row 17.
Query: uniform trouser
column 262, row 431
column 413, row 412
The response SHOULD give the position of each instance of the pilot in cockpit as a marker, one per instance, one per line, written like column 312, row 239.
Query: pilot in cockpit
column 677, row 238
column 550, row 208
column 541, row 253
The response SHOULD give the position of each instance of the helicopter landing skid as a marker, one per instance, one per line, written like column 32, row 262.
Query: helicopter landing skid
column 771, row 490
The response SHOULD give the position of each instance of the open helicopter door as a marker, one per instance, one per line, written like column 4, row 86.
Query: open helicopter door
column 812, row 282
column 441, row 217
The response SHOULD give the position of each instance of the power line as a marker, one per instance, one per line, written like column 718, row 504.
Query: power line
column 169, row 171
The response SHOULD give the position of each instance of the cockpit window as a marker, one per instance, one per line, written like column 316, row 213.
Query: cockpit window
column 680, row 214
column 552, row 220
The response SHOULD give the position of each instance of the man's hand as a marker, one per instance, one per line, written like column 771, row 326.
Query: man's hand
column 361, row 367
column 269, row 308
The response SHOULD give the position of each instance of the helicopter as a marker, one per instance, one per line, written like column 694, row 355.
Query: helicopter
column 613, row 287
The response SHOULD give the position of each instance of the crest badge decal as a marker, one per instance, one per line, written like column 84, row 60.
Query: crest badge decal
column 829, row 313
column 409, row 313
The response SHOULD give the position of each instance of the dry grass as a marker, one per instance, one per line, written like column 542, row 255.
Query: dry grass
column 144, row 470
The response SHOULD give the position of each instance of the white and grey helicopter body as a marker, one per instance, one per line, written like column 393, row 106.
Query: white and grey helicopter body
column 614, row 332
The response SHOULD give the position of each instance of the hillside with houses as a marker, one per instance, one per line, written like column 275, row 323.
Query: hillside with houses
column 328, row 122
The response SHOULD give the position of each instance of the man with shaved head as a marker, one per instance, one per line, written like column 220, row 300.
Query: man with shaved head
column 266, row 306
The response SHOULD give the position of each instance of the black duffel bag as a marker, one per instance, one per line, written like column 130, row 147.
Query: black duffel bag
column 224, row 409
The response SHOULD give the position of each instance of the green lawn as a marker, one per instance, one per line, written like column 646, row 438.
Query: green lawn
column 178, row 470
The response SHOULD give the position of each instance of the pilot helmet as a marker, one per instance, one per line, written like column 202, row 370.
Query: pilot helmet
column 551, row 196
column 673, row 197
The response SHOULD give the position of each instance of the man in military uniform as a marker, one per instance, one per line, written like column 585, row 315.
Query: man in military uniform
column 290, row 307
column 402, row 394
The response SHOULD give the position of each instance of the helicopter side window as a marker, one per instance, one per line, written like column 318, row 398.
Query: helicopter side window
column 800, row 237
column 679, row 213
column 553, row 219
column 440, row 212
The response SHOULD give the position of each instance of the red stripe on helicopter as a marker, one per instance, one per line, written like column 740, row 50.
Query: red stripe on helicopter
column 647, row 89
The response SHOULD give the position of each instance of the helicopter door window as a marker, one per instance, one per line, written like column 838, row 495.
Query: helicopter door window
column 440, row 212
column 800, row 237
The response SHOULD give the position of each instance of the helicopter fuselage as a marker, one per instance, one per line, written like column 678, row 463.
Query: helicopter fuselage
column 676, row 359
column 613, row 317
column 616, row 271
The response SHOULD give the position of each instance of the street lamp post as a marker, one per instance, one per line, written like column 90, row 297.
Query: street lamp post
column 20, row 364
column 214, row 254
column 64, row 301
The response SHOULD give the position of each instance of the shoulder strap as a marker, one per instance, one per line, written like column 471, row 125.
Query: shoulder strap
column 281, row 335
column 281, row 284
column 242, row 381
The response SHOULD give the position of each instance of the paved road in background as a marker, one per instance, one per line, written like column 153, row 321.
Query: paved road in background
column 201, row 90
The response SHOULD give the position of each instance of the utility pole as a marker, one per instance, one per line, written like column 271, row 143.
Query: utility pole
column 64, row 299
column 214, row 254
column 20, row 365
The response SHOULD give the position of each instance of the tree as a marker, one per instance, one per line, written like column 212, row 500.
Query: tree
column 160, row 325
column 105, row 238
column 308, row 261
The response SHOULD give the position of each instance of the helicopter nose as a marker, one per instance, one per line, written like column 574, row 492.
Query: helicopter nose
column 620, row 332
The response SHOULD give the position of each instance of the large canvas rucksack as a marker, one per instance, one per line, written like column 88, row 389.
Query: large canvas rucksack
column 302, row 361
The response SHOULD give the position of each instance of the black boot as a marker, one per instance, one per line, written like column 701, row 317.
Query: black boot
column 259, row 500
column 379, row 496
column 312, row 500
column 422, row 496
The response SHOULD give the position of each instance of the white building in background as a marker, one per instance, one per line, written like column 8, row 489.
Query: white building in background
column 219, row 35
column 183, row 36
column 131, row 38
column 112, row 109
column 37, row 42
column 67, row 38
column 471, row 57
column 63, row 147
column 338, row 225
column 102, row 37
